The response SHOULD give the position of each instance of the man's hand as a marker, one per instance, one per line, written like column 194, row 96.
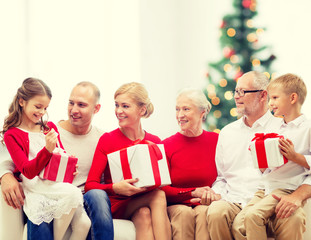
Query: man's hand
column 12, row 191
column 287, row 205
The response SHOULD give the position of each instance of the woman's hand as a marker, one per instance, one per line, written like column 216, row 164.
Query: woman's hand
column 208, row 197
column 204, row 196
column 198, row 192
column 126, row 188
column 51, row 140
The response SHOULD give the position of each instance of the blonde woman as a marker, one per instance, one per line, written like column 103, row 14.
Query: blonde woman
column 127, row 201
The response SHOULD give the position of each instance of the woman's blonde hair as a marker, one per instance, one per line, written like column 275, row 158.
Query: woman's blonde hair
column 30, row 88
column 139, row 94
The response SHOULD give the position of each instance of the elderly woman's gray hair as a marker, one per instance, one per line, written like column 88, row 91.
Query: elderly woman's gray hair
column 199, row 99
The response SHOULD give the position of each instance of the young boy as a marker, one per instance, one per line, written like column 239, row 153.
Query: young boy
column 287, row 94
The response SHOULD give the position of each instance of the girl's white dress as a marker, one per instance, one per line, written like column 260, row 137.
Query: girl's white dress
column 45, row 199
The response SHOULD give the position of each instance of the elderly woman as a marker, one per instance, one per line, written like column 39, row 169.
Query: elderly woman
column 191, row 158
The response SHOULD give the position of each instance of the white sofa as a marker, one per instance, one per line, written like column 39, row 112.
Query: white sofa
column 12, row 225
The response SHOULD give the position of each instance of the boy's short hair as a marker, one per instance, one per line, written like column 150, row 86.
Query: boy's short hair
column 291, row 83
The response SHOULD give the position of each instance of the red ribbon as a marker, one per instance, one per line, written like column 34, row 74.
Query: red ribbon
column 263, row 136
column 50, row 171
column 260, row 147
column 155, row 155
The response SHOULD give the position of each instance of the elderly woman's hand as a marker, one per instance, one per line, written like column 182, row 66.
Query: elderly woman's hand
column 198, row 192
column 126, row 188
column 204, row 195
column 209, row 197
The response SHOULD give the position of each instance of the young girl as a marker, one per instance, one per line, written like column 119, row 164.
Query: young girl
column 31, row 142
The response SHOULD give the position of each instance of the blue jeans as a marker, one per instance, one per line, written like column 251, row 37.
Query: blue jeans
column 98, row 208
column 42, row 231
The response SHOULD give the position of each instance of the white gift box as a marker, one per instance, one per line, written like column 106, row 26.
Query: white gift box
column 266, row 152
column 136, row 162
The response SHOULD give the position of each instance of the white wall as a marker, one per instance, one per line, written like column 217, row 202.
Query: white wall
column 288, row 31
column 165, row 44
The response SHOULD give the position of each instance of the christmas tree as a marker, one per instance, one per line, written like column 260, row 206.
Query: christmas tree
column 241, row 50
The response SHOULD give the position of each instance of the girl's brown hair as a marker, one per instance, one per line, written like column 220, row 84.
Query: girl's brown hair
column 30, row 88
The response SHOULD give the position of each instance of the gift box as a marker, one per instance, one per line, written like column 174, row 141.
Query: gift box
column 147, row 162
column 265, row 150
column 60, row 168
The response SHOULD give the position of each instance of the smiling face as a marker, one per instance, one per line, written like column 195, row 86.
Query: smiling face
column 280, row 102
column 34, row 109
column 248, row 104
column 127, row 111
column 82, row 106
column 189, row 116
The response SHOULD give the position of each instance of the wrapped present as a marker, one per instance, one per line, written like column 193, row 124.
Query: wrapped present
column 265, row 150
column 60, row 168
column 146, row 161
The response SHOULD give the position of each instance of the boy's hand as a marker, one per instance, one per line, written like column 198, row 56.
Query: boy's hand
column 51, row 140
column 262, row 170
column 287, row 149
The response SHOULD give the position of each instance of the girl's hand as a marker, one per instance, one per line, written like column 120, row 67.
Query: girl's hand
column 126, row 188
column 51, row 140
column 76, row 172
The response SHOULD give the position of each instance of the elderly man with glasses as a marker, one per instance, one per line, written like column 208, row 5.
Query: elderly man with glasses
column 237, row 179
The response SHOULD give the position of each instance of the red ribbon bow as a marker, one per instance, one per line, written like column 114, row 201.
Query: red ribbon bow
column 263, row 136
column 155, row 155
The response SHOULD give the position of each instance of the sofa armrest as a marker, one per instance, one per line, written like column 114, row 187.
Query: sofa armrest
column 123, row 229
column 10, row 217
column 307, row 209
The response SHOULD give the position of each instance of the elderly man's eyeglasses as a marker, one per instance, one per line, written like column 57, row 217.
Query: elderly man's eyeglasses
column 242, row 92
